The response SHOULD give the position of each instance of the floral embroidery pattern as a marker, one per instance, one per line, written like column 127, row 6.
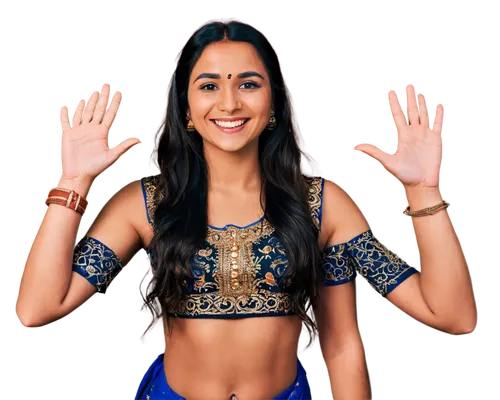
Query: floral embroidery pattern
column 96, row 262
column 382, row 268
column 337, row 265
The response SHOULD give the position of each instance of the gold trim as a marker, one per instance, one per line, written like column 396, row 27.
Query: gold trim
column 223, row 240
column 315, row 195
column 262, row 302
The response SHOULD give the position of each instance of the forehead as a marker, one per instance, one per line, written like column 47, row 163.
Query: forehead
column 229, row 57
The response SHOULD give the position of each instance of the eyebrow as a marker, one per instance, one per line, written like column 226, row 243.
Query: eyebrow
column 247, row 74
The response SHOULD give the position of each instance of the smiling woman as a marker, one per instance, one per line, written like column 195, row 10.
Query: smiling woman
column 239, row 105
column 244, row 247
column 235, row 160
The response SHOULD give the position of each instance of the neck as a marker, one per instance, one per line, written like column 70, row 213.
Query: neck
column 233, row 170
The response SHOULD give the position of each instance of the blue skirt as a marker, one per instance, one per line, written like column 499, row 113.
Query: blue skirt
column 154, row 385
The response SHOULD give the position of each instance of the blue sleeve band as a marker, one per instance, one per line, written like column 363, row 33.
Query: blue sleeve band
column 337, row 265
column 96, row 262
column 382, row 268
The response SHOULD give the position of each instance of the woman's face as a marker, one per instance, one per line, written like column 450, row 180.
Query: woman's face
column 214, row 99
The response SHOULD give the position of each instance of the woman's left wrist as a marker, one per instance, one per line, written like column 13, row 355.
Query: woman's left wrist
column 422, row 197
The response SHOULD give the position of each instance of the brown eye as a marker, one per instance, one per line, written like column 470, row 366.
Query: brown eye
column 204, row 87
column 253, row 85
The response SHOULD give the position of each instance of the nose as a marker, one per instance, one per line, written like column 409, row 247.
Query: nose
column 229, row 100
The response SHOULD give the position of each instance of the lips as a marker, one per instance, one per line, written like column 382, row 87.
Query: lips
column 229, row 129
column 230, row 123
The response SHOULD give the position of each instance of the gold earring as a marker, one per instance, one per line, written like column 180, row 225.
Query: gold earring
column 190, row 126
column 272, row 121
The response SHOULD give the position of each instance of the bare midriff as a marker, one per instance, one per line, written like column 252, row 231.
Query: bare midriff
column 251, row 358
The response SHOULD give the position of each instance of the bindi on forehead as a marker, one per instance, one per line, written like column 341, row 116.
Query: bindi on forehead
column 226, row 60
column 243, row 75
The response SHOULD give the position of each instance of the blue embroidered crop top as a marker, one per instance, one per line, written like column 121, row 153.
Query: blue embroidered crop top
column 238, row 271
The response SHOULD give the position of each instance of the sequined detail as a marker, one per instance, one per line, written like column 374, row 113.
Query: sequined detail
column 248, row 265
column 257, row 289
column 96, row 262
column 382, row 268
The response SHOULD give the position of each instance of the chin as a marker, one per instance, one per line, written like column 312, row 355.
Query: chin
column 231, row 146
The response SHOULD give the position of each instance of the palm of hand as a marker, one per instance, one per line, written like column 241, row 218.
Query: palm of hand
column 418, row 156
column 85, row 150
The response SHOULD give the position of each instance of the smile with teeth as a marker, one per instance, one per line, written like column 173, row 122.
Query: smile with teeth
column 230, row 124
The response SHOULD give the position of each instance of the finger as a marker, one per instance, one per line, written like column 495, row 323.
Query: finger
column 377, row 154
column 64, row 119
column 438, row 121
column 100, row 108
column 397, row 113
column 110, row 115
column 77, row 118
column 117, row 151
column 372, row 150
column 412, row 105
column 89, row 111
column 424, row 115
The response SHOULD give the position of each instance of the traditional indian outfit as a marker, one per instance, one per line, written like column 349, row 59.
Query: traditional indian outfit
column 238, row 273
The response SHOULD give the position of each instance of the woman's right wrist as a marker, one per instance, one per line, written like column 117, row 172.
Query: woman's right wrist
column 79, row 185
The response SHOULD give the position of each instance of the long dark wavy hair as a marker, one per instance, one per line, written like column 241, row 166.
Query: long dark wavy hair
column 180, row 218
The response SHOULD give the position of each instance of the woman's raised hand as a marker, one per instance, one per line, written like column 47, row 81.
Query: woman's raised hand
column 86, row 150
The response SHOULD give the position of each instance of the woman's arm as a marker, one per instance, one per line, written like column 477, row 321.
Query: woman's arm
column 441, row 295
column 444, row 283
column 341, row 343
column 50, row 287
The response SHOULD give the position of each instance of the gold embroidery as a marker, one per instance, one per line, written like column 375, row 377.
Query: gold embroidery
column 261, row 302
column 337, row 265
column 224, row 240
column 153, row 196
column 381, row 267
column 315, row 195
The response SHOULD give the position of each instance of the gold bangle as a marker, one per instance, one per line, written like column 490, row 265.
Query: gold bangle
column 426, row 211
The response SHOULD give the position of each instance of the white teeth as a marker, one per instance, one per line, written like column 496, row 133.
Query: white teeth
column 229, row 124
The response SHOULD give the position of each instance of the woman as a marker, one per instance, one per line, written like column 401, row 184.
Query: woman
column 235, row 231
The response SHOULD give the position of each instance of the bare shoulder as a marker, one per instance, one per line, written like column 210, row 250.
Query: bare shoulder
column 125, row 214
column 341, row 217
